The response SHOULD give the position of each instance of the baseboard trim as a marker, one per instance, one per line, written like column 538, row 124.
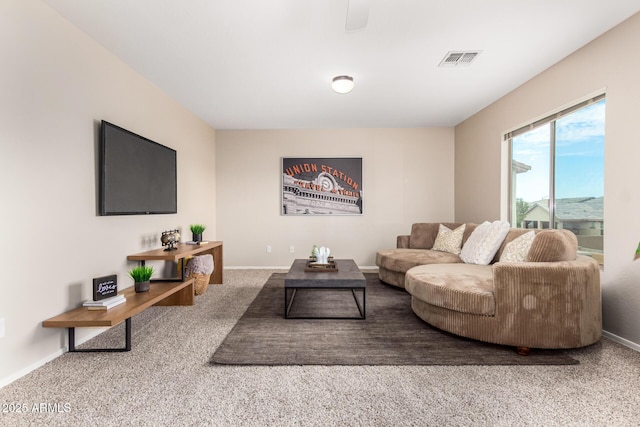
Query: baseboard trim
column 31, row 368
column 620, row 340
column 286, row 267
column 260, row 267
column 16, row 376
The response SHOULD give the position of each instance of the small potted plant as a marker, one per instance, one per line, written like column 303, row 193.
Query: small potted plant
column 141, row 276
column 197, row 230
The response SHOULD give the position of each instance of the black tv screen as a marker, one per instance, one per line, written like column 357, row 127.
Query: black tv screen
column 137, row 176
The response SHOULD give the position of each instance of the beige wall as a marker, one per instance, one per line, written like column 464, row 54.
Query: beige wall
column 604, row 63
column 407, row 177
column 56, row 86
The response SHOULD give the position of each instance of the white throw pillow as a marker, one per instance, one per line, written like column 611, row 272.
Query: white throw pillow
column 473, row 244
column 449, row 240
column 517, row 249
column 481, row 247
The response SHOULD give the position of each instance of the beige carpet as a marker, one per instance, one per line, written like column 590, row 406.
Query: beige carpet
column 166, row 380
column 390, row 335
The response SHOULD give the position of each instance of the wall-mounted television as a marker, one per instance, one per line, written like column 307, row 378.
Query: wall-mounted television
column 137, row 176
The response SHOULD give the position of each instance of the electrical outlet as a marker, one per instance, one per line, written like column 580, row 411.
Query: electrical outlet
column 292, row 249
column 268, row 249
column 2, row 328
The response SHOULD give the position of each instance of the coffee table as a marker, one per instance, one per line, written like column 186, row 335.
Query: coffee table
column 348, row 278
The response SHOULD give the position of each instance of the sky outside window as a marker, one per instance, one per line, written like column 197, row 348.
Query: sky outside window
column 580, row 153
column 579, row 156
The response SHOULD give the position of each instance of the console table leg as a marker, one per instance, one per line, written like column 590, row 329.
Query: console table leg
column 127, row 339
column 127, row 334
column 72, row 339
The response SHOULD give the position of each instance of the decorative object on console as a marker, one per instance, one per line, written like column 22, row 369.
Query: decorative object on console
column 170, row 238
column 141, row 276
column 199, row 267
column 105, row 304
column 105, row 287
column 197, row 230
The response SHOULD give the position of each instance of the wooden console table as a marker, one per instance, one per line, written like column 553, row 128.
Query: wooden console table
column 165, row 293
column 183, row 251
column 174, row 291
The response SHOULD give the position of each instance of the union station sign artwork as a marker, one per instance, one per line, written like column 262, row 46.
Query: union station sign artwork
column 322, row 186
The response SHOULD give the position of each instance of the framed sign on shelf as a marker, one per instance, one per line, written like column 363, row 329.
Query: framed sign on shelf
column 321, row 186
column 105, row 287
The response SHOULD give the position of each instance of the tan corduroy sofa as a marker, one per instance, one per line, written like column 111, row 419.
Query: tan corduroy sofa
column 550, row 300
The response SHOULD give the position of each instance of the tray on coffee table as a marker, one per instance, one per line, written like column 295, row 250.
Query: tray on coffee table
column 314, row 267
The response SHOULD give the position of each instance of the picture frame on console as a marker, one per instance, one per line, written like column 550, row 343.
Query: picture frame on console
column 322, row 186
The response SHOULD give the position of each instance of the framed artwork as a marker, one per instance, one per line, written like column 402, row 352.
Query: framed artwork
column 322, row 186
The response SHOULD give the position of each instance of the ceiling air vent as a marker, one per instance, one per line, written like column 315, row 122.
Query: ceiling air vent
column 459, row 59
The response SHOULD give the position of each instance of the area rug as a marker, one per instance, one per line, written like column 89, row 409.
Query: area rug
column 391, row 334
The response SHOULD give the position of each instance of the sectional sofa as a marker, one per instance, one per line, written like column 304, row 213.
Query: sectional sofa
column 517, row 287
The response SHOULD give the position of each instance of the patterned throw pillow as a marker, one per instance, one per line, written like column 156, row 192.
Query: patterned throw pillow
column 518, row 249
column 449, row 240
column 484, row 242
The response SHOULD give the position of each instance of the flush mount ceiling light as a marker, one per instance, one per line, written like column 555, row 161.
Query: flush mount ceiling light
column 342, row 84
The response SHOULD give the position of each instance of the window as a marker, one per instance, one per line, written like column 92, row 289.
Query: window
column 557, row 174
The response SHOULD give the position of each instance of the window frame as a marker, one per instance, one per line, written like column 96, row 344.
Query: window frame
column 551, row 120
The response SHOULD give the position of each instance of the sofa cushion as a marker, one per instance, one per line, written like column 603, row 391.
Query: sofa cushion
column 402, row 260
column 484, row 242
column 449, row 240
column 465, row 288
column 423, row 235
column 553, row 245
column 518, row 249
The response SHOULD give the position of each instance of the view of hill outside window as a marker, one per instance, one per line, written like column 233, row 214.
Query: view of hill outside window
column 557, row 175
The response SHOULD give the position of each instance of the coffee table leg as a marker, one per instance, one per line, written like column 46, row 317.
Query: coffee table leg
column 364, row 303
column 361, row 309
column 288, row 303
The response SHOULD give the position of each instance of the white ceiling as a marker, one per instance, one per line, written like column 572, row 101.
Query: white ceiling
column 268, row 64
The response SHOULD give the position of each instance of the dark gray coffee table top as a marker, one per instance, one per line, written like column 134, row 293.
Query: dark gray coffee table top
column 347, row 276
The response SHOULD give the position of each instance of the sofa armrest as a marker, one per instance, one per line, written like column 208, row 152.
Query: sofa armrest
column 402, row 242
column 536, row 297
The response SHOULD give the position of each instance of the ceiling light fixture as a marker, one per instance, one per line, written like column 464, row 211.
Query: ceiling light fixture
column 342, row 84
